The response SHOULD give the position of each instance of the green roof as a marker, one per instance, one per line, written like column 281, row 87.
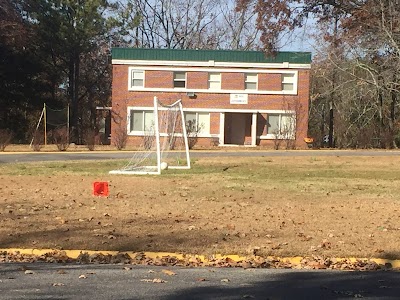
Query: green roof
column 207, row 55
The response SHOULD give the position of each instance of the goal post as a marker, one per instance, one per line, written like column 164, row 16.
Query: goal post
column 49, row 120
column 164, row 142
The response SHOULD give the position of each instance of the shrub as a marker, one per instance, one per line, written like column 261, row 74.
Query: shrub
column 38, row 140
column 120, row 137
column 61, row 138
column 192, row 132
column 6, row 136
column 90, row 138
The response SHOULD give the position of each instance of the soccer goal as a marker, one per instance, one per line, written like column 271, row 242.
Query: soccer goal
column 164, row 142
column 49, row 121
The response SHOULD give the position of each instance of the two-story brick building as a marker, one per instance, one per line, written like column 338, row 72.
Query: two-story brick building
column 237, row 97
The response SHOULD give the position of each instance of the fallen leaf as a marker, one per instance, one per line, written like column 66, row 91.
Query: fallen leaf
column 168, row 272
column 155, row 280
column 58, row 284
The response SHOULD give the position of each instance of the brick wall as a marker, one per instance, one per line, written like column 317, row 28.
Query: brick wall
column 159, row 79
column 121, row 98
column 270, row 82
column 197, row 80
column 232, row 81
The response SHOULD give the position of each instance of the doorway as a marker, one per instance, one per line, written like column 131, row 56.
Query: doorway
column 237, row 129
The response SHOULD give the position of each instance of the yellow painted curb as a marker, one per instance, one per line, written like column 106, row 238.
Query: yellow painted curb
column 295, row 260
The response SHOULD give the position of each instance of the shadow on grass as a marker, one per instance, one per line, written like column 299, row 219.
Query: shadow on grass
column 73, row 237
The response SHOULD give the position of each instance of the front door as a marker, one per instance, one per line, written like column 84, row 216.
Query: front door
column 237, row 128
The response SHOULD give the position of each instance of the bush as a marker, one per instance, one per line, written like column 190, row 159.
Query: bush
column 61, row 138
column 90, row 138
column 192, row 131
column 6, row 136
column 120, row 137
column 38, row 140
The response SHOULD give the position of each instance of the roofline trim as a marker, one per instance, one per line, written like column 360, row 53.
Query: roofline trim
column 211, row 63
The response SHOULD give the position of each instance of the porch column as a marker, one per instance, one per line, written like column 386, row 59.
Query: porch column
column 222, row 128
column 254, row 129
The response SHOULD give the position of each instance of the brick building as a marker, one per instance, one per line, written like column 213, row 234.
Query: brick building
column 237, row 97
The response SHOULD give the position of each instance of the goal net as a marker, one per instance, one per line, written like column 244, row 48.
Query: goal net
column 51, row 121
column 164, row 142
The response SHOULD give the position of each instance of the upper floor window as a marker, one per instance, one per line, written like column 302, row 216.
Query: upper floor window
column 179, row 79
column 250, row 81
column 214, row 81
column 137, row 78
column 288, row 81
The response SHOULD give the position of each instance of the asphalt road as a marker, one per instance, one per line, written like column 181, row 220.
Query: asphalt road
column 54, row 281
column 9, row 157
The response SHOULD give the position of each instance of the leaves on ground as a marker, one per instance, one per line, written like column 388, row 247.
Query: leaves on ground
column 312, row 262
column 168, row 272
column 155, row 280
column 58, row 284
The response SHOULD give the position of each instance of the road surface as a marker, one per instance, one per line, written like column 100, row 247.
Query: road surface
column 56, row 281
column 10, row 157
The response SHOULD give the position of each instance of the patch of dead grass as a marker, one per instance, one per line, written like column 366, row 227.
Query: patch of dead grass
column 282, row 206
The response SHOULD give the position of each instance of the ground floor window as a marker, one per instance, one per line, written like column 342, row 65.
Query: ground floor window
column 141, row 120
column 198, row 122
column 281, row 125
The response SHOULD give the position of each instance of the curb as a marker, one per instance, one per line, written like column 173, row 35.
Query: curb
column 294, row 260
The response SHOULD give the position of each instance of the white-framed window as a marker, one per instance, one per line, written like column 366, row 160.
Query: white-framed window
column 281, row 126
column 288, row 82
column 136, row 79
column 141, row 120
column 179, row 80
column 250, row 81
column 198, row 122
column 214, row 81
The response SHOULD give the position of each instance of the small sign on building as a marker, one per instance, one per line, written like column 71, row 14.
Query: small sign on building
column 239, row 98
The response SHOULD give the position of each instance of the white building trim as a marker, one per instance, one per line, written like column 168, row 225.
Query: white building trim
column 215, row 91
column 284, row 65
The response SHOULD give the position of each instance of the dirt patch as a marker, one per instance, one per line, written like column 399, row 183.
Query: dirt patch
column 282, row 206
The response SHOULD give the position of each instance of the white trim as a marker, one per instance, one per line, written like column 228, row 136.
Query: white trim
column 270, row 136
column 222, row 128
column 216, row 91
column 206, row 91
column 254, row 129
column 211, row 70
column 284, row 65
column 221, row 110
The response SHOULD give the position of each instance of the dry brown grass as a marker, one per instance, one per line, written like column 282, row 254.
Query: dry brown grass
column 333, row 206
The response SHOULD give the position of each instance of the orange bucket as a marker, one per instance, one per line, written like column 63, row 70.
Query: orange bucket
column 100, row 188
